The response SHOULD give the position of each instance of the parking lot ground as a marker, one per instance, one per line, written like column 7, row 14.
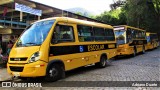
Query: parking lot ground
column 143, row 67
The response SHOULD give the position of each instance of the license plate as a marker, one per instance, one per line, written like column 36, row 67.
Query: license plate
column 16, row 74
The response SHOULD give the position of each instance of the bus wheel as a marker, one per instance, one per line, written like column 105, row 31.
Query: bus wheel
column 23, row 78
column 134, row 52
column 143, row 50
column 102, row 62
column 156, row 46
column 153, row 46
column 54, row 73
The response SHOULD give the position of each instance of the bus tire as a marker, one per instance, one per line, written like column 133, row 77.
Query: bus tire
column 134, row 52
column 143, row 49
column 23, row 78
column 54, row 73
column 102, row 63
column 153, row 46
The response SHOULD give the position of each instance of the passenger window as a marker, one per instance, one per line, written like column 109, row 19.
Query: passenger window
column 129, row 35
column 133, row 33
column 85, row 33
column 137, row 34
column 99, row 34
column 63, row 33
column 109, row 35
column 143, row 35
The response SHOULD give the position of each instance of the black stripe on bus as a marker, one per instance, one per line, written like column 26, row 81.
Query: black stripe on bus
column 72, row 49
column 138, row 42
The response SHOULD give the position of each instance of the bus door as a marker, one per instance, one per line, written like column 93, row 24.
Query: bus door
column 63, row 46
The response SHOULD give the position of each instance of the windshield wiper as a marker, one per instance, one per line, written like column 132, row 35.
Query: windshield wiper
column 21, row 45
column 30, row 43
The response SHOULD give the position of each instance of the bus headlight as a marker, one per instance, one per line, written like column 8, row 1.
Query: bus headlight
column 35, row 57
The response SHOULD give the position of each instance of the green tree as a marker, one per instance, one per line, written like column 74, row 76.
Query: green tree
column 156, row 5
column 143, row 14
column 113, row 17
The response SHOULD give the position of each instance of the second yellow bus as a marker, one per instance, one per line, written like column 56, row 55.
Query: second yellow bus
column 130, row 40
column 152, row 40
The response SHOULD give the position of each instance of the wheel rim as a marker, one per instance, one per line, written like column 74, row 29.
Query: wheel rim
column 143, row 50
column 134, row 53
column 103, row 62
column 53, row 72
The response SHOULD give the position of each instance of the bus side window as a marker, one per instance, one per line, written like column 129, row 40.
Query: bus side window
column 109, row 35
column 148, row 39
column 129, row 35
column 99, row 34
column 85, row 33
column 63, row 33
column 133, row 34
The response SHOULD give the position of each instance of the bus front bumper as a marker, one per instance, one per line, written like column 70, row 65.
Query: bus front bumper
column 35, row 69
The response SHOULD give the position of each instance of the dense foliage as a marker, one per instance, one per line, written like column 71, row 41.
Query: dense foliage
column 113, row 17
column 143, row 14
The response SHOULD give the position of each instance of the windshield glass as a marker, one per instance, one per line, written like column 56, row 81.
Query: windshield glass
column 148, row 39
column 120, row 36
column 35, row 34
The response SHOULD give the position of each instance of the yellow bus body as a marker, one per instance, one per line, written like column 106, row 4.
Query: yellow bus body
column 70, row 60
column 152, row 43
column 129, row 47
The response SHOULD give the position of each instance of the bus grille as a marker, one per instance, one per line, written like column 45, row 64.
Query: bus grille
column 16, row 69
column 18, row 59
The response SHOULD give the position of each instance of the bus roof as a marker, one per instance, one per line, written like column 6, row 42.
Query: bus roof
column 78, row 21
column 151, row 33
column 128, row 27
column 148, row 33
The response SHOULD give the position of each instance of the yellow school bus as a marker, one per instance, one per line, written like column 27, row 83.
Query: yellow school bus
column 152, row 40
column 130, row 40
column 52, row 46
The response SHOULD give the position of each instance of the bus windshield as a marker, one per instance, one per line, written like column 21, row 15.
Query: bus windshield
column 35, row 34
column 120, row 36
